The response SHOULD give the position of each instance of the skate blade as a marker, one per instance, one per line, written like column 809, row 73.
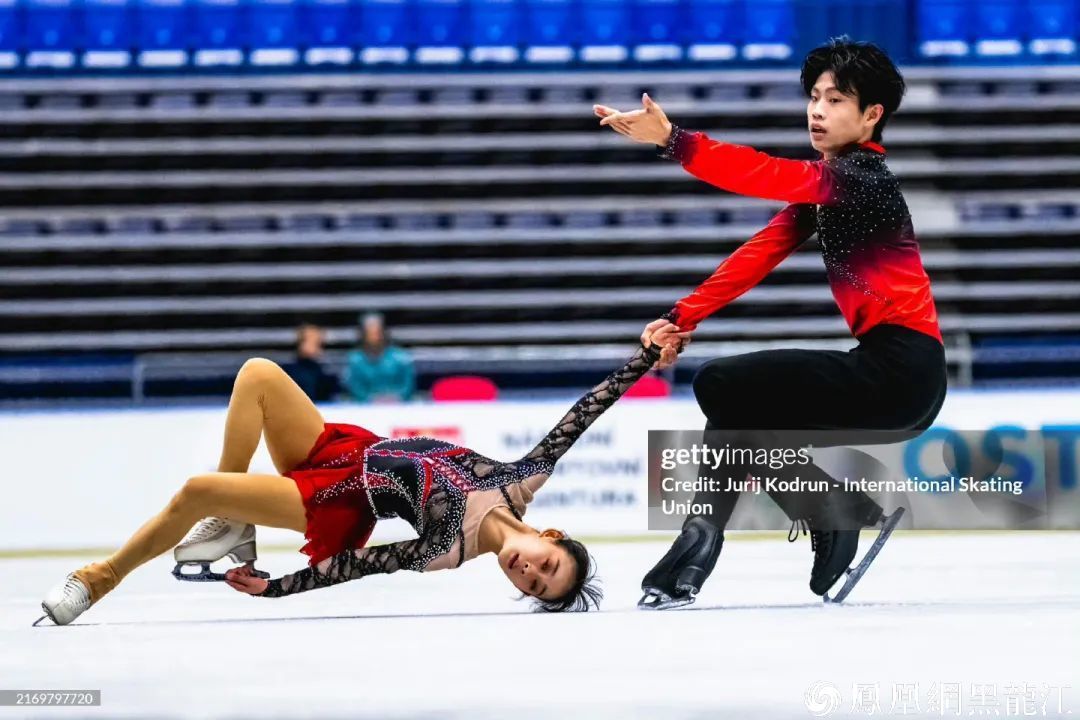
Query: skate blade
column 205, row 574
column 855, row 574
column 46, row 615
column 663, row 601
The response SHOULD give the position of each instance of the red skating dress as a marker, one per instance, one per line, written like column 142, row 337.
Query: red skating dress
column 336, row 521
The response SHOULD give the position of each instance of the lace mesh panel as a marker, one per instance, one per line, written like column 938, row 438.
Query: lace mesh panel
column 592, row 405
column 439, row 535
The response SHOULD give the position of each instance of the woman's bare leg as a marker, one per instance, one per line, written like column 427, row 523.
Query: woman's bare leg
column 265, row 400
column 269, row 500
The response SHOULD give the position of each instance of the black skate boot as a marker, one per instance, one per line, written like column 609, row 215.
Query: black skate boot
column 833, row 552
column 888, row 523
column 834, row 538
column 676, row 580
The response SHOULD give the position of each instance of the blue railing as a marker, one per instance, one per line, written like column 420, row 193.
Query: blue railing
column 119, row 35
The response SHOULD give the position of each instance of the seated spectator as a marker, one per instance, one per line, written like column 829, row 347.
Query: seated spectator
column 307, row 370
column 379, row 371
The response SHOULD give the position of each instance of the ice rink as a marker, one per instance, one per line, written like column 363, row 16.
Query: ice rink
column 1000, row 609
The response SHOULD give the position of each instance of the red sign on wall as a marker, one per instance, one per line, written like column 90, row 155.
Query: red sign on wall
column 448, row 433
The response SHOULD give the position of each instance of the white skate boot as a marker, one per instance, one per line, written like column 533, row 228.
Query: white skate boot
column 79, row 590
column 65, row 602
column 211, row 540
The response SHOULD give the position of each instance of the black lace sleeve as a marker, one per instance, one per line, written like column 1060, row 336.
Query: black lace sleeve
column 347, row 565
column 592, row 405
column 439, row 533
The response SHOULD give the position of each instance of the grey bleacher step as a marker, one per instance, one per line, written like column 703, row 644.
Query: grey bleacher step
column 284, row 99
column 301, row 223
column 904, row 140
column 1050, row 211
column 1028, row 264
column 245, row 224
column 415, row 222
column 725, row 93
column 226, row 99
column 691, row 217
column 173, row 101
column 59, row 102
column 80, row 226
column 190, row 225
column 473, row 220
column 585, row 220
column 506, row 95
column 340, row 98
column 562, row 94
column 722, row 203
column 117, row 101
column 640, row 218
column 363, row 222
column 18, row 227
column 397, row 96
column 136, row 225
column 453, row 96
column 371, row 232
column 524, row 221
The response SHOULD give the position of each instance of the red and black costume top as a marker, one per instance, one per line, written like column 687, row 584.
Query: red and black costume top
column 854, row 204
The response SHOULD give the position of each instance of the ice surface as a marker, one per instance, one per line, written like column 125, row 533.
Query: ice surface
column 993, row 608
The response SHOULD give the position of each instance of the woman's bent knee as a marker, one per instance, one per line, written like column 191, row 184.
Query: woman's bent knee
column 257, row 369
column 198, row 494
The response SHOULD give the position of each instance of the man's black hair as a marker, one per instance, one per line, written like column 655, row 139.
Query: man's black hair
column 861, row 69
column 584, row 591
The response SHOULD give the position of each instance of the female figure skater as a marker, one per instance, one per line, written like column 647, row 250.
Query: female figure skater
column 893, row 381
column 337, row 480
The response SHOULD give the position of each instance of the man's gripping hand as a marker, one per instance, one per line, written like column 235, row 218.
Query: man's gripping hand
column 666, row 335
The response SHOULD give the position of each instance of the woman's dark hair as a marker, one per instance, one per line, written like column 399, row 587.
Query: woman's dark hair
column 584, row 592
column 862, row 69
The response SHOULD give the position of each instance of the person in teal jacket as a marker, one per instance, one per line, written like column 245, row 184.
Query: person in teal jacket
column 379, row 371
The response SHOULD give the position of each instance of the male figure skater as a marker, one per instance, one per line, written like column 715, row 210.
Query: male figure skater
column 893, row 380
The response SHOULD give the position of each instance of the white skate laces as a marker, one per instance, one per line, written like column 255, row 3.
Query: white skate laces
column 206, row 529
column 66, row 601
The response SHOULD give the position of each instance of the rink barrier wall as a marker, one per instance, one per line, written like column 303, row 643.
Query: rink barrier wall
column 86, row 480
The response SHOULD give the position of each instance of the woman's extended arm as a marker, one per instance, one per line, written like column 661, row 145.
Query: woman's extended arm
column 437, row 539
column 592, row 405
column 349, row 565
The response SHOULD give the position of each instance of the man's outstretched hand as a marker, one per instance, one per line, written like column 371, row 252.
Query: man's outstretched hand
column 647, row 125
column 665, row 334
